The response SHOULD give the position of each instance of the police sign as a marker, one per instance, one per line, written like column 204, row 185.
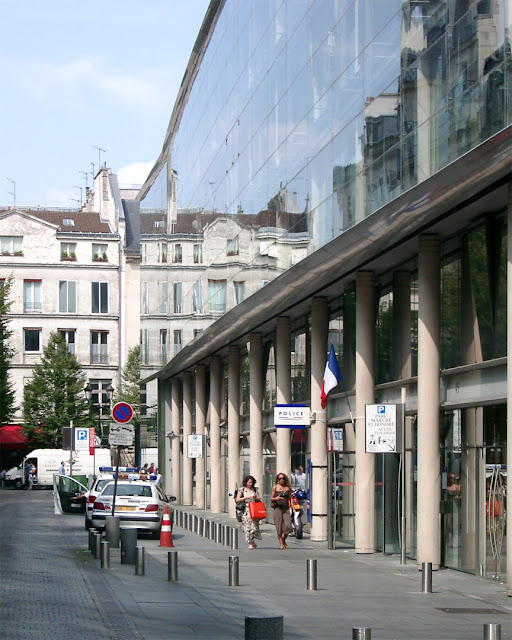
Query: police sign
column 291, row 416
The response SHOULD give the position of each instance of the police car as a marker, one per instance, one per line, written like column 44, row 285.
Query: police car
column 106, row 475
column 139, row 504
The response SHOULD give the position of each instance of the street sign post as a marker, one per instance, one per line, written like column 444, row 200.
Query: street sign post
column 195, row 446
column 381, row 428
column 121, row 435
column 122, row 412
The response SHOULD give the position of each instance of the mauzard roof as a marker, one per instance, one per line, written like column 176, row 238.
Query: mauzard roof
column 70, row 221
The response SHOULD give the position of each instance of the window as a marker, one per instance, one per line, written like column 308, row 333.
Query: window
column 99, row 297
column 217, row 295
column 143, row 400
column 68, row 250
column 177, row 297
column 68, row 222
column 162, row 294
column 99, row 251
column 197, row 332
column 100, row 397
column 67, row 296
column 99, row 347
column 198, row 254
column 178, row 253
column 232, row 248
column 163, row 346
column 162, row 252
column 144, row 346
column 11, row 245
column 32, row 295
column 177, row 342
column 32, row 340
column 144, row 298
column 69, row 338
column 239, row 292
column 197, row 297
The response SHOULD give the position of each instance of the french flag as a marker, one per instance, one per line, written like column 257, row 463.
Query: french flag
column 332, row 376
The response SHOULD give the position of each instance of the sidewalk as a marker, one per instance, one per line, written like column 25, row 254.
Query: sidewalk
column 353, row 591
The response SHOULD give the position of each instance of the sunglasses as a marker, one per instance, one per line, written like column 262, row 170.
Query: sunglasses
column 281, row 478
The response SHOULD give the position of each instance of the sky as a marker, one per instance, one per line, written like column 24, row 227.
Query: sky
column 78, row 76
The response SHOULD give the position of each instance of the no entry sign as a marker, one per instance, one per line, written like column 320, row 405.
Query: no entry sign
column 122, row 412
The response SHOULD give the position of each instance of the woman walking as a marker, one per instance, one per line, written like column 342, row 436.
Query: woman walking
column 249, row 493
column 280, row 501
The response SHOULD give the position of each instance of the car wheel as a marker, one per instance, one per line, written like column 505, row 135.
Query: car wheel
column 18, row 484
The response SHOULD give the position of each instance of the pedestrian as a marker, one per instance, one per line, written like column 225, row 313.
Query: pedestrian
column 151, row 468
column 28, row 475
column 280, row 502
column 3, row 477
column 62, row 469
column 249, row 493
column 299, row 479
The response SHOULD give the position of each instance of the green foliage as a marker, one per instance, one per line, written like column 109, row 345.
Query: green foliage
column 54, row 396
column 7, row 396
column 130, row 386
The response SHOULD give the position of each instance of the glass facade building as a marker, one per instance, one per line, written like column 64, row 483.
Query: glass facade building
column 325, row 138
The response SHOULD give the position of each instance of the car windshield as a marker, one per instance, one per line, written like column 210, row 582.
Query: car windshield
column 101, row 483
column 128, row 490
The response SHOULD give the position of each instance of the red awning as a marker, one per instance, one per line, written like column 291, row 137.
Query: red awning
column 12, row 437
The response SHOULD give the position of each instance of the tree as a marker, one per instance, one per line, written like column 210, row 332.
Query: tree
column 7, row 394
column 54, row 396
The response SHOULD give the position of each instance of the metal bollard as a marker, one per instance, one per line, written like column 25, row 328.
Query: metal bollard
column 128, row 545
column 97, row 545
column 105, row 554
column 196, row 524
column 172, row 566
column 233, row 571
column 92, row 531
column 225, row 535
column 426, row 577
column 113, row 530
column 139, row 561
column 234, row 538
column 361, row 633
column 311, row 584
column 264, row 628
column 492, row 631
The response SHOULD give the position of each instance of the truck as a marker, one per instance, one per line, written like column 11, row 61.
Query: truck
column 47, row 462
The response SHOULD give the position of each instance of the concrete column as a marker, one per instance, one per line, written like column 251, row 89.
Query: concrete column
column 233, row 423
column 175, row 440
column 319, row 335
column 187, row 431
column 200, row 431
column 509, row 378
column 401, row 362
column 215, row 457
column 283, row 393
column 164, row 460
column 256, row 407
column 365, row 394
column 429, row 481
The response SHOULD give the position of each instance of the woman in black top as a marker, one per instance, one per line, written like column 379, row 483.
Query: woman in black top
column 280, row 501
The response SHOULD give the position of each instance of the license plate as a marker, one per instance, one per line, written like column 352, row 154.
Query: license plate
column 125, row 508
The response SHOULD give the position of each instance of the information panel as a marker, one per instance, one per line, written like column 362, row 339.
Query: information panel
column 381, row 428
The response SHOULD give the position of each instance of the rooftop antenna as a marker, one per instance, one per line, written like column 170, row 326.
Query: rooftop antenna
column 93, row 174
column 13, row 192
column 86, row 177
column 76, row 200
column 80, row 194
column 99, row 154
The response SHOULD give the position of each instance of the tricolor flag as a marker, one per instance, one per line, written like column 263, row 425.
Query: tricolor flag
column 332, row 375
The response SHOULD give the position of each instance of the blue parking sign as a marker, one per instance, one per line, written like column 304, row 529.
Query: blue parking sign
column 81, row 439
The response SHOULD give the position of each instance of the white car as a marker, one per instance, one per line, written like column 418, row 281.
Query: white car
column 139, row 504
column 106, row 475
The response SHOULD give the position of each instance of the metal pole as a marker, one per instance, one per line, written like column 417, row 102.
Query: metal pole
column 492, row 631
column 426, row 577
column 311, row 573
column 105, row 554
column 97, row 545
column 403, row 522
column 92, row 531
column 139, row 561
column 172, row 566
column 330, row 501
column 233, row 571
column 234, row 538
column 361, row 633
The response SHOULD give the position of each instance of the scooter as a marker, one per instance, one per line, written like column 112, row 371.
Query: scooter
column 296, row 508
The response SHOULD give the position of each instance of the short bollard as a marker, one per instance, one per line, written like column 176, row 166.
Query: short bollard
column 139, row 561
column 97, row 546
column 426, row 577
column 264, row 628
column 105, row 554
column 92, row 531
column 128, row 545
column 492, row 631
column 227, row 531
column 233, row 571
column 311, row 583
column 172, row 566
column 234, row 538
column 361, row 633
column 113, row 530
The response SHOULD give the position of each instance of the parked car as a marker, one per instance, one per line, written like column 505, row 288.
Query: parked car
column 106, row 475
column 139, row 504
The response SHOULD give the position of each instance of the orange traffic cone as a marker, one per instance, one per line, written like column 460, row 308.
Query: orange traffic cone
column 166, row 530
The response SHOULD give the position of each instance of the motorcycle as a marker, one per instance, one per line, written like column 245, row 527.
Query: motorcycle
column 297, row 510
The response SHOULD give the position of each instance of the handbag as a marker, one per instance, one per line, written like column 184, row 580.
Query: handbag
column 257, row 510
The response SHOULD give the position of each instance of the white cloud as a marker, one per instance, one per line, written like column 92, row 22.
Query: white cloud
column 134, row 174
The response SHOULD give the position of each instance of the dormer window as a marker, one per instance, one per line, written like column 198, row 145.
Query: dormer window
column 67, row 222
column 159, row 224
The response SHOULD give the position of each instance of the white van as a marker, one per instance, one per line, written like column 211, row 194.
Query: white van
column 47, row 462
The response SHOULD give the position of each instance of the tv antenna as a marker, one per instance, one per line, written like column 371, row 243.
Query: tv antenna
column 13, row 192
column 80, row 194
column 76, row 200
column 99, row 154
column 86, row 176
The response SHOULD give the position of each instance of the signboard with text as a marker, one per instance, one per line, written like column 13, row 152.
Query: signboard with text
column 381, row 428
column 121, row 435
column 81, row 439
column 291, row 416
column 195, row 446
